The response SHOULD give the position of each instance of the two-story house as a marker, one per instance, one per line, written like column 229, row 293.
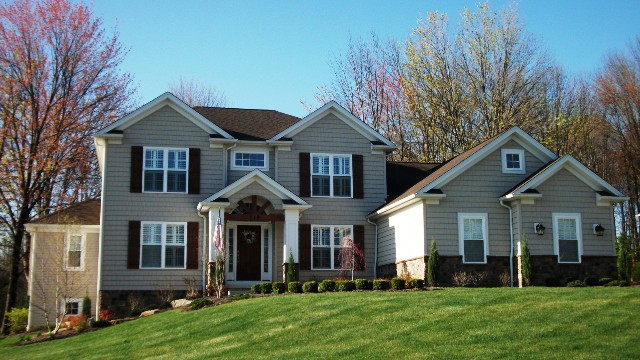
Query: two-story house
column 282, row 186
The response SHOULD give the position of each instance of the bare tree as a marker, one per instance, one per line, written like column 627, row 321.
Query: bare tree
column 194, row 93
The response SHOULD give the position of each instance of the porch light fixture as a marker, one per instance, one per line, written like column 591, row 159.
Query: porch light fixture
column 539, row 228
column 598, row 229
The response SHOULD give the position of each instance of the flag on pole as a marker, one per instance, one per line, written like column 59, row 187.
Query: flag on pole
column 218, row 241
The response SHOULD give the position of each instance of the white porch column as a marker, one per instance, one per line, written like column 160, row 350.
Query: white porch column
column 213, row 220
column 291, row 217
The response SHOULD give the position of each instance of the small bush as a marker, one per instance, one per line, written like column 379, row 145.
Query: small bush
column 86, row 306
column 277, row 287
column 105, row 314
column 623, row 283
column 18, row 318
column 310, row 287
column 464, row 279
column 398, row 283
column 135, row 312
column 416, row 283
column 433, row 266
column 576, row 283
column 591, row 281
column 266, row 288
column 78, row 322
column 255, row 289
column 101, row 324
column 381, row 284
column 505, row 278
column 363, row 284
column 552, row 282
column 346, row 285
column 200, row 303
column 604, row 281
column 327, row 286
column 295, row 287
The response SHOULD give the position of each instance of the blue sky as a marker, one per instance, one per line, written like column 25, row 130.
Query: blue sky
column 273, row 54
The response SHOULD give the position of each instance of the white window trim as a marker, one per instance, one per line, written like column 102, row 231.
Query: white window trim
column 165, row 169
column 556, row 245
column 266, row 275
column 331, row 245
column 63, row 305
column 506, row 170
column 350, row 156
column 67, row 244
column 485, row 234
column 164, row 244
column 249, row 151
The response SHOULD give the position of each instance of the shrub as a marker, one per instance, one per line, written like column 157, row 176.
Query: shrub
column 86, row 306
column 363, row 284
column 527, row 270
column 78, row 322
column 433, row 266
column 623, row 283
column 295, row 287
column 292, row 274
column 505, row 278
column 576, row 283
column 18, row 318
column 200, row 303
column 277, row 287
column 416, row 283
column 552, row 282
column 381, row 284
column 327, row 286
column 100, row 324
column 591, row 281
column 266, row 288
column 346, row 285
column 310, row 287
column 255, row 289
column 135, row 312
column 604, row 281
column 623, row 254
column 464, row 279
column 105, row 314
column 398, row 283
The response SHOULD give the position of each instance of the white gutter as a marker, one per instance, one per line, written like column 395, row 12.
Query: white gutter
column 511, row 238
column 375, row 258
column 204, row 247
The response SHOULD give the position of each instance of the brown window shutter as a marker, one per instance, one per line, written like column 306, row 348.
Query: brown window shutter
column 304, row 246
column 358, row 176
column 305, row 174
column 358, row 240
column 194, row 171
column 192, row 245
column 133, row 261
column 136, row 169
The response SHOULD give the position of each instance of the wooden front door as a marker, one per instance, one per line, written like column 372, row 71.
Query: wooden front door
column 248, row 253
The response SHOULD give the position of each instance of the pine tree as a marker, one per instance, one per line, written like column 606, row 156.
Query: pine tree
column 433, row 266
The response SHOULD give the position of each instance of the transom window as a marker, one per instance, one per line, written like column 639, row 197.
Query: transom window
column 327, row 240
column 567, row 237
column 74, row 258
column 163, row 245
column 165, row 170
column 250, row 159
column 513, row 161
column 473, row 235
column 331, row 175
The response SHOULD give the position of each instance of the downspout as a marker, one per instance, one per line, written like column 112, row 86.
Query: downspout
column 225, row 162
column 511, row 238
column 204, row 247
column 375, row 257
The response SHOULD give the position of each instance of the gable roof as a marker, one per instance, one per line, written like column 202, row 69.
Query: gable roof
column 248, row 124
column 83, row 213
column 570, row 164
column 166, row 99
column 343, row 114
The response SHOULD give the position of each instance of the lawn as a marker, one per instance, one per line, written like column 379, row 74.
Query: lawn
column 536, row 323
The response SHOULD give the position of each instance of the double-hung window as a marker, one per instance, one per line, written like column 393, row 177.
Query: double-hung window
column 327, row 241
column 72, row 306
column 163, row 245
column 473, row 238
column 513, row 161
column 165, row 170
column 247, row 159
column 74, row 259
column 331, row 175
column 567, row 237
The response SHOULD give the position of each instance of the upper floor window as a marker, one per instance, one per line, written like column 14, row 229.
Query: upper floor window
column 163, row 245
column 326, row 245
column 473, row 237
column 513, row 161
column 74, row 259
column 250, row 159
column 165, row 170
column 567, row 237
column 331, row 175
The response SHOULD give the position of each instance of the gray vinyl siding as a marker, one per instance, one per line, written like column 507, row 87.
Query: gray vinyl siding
column 477, row 190
column 164, row 128
column 386, row 242
column 565, row 193
column 331, row 135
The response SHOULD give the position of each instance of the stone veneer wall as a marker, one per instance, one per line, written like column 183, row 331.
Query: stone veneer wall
column 547, row 267
column 117, row 301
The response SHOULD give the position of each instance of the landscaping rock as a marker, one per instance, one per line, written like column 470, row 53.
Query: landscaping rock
column 180, row 303
column 149, row 312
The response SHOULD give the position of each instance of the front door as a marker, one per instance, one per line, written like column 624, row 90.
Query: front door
column 248, row 253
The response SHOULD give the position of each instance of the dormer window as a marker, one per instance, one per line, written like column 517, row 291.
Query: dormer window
column 513, row 161
column 249, row 159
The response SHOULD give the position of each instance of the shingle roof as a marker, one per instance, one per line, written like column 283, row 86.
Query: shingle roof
column 248, row 124
column 84, row 213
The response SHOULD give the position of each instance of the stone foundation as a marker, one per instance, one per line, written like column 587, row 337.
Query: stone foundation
column 546, row 269
column 118, row 301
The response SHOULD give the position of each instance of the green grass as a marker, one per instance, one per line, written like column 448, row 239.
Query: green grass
column 536, row 323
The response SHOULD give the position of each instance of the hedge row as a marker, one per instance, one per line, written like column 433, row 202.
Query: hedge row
column 336, row 285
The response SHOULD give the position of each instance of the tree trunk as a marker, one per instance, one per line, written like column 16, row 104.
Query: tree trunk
column 14, row 275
